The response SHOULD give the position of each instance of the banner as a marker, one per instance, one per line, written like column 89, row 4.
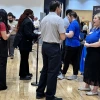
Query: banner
column 96, row 9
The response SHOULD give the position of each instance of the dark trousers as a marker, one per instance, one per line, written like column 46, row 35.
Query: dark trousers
column 10, row 45
column 51, row 64
column 72, row 55
column 3, row 63
column 63, row 50
column 24, row 65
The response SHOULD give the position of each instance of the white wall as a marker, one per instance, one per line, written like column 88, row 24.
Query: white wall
column 18, row 6
column 82, row 4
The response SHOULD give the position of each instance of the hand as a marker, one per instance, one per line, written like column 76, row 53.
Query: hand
column 87, row 44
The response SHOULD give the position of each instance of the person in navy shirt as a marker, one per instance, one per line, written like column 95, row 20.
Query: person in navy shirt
column 92, row 61
column 72, row 46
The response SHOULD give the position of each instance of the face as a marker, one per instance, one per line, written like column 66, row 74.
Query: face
column 96, row 21
column 31, row 16
column 10, row 18
column 70, row 18
column 59, row 10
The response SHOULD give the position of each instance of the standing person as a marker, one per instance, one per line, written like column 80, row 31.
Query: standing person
column 66, row 19
column 23, row 40
column 72, row 48
column 92, row 61
column 13, row 24
column 85, row 29
column 4, row 28
column 52, row 31
column 66, row 24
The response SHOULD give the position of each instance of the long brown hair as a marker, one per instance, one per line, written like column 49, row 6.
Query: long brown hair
column 25, row 14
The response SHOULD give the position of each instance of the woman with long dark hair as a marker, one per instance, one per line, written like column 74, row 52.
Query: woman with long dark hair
column 26, row 30
column 4, row 29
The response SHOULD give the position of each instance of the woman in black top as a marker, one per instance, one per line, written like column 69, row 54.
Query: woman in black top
column 4, row 28
column 26, row 30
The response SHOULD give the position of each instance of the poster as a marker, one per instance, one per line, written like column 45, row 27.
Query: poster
column 96, row 9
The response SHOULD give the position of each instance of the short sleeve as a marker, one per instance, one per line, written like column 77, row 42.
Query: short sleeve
column 72, row 27
column 61, row 28
column 2, row 27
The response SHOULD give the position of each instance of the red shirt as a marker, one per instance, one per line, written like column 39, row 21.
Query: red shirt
column 2, row 27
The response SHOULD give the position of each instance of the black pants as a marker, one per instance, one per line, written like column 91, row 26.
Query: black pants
column 71, row 56
column 24, row 65
column 63, row 50
column 51, row 65
column 3, row 63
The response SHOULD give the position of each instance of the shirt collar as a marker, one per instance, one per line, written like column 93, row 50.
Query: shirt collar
column 30, row 19
column 52, row 13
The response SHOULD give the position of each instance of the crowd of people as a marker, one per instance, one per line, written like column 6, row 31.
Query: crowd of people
column 74, row 50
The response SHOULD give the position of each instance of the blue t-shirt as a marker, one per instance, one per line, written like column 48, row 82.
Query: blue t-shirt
column 94, row 36
column 74, row 41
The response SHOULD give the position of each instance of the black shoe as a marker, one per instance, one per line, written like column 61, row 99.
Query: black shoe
column 25, row 78
column 3, row 88
column 40, row 97
column 30, row 74
column 12, row 57
column 41, row 71
column 55, row 98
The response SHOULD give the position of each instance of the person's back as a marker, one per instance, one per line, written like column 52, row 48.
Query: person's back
column 52, row 31
column 50, row 28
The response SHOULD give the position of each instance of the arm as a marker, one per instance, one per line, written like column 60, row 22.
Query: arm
column 96, row 44
column 71, row 30
column 61, row 29
column 28, row 31
column 62, row 36
column 4, row 34
column 70, row 34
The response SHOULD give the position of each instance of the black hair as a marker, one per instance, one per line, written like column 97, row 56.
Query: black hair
column 74, row 14
column 78, row 20
column 14, row 16
column 10, row 14
column 54, row 5
column 3, row 18
column 68, row 11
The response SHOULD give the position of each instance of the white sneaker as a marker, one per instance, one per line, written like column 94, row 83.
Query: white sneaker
column 84, row 89
column 73, row 77
column 61, row 76
column 91, row 93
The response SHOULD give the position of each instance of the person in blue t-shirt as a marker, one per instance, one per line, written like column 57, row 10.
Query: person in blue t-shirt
column 72, row 46
column 92, row 61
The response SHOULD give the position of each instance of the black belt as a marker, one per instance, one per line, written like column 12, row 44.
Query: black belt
column 51, row 43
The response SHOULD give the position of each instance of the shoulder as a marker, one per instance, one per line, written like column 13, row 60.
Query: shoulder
column 2, row 24
column 15, row 22
column 27, row 21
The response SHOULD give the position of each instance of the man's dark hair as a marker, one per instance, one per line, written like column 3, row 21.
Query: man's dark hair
column 10, row 14
column 54, row 5
column 68, row 11
column 14, row 16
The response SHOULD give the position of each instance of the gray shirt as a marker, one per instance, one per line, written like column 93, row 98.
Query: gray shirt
column 51, row 27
